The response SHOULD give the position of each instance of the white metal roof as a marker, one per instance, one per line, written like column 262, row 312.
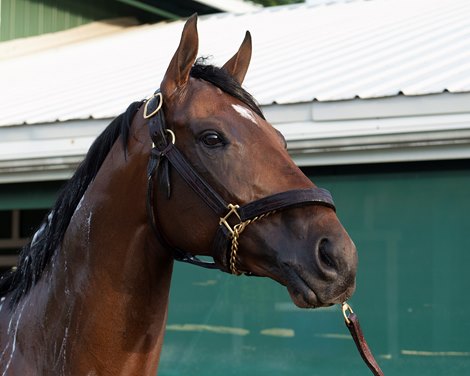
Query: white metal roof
column 364, row 49
column 233, row 6
column 327, row 52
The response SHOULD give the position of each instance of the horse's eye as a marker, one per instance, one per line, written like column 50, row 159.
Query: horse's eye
column 212, row 139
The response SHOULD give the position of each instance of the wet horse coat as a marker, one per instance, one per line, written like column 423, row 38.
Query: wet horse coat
column 90, row 294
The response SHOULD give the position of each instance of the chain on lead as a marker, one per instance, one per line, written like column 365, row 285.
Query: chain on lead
column 237, row 230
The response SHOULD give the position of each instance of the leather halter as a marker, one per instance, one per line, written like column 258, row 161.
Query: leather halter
column 233, row 218
column 164, row 152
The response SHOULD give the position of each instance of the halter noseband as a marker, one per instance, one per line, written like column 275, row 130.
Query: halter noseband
column 233, row 218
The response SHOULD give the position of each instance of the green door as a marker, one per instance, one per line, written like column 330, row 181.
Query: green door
column 411, row 228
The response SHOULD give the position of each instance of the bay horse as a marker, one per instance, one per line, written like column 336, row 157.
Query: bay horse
column 195, row 170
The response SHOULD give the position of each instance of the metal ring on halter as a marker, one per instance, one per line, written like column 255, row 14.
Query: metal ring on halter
column 159, row 106
column 346, row 307
column 171, row 133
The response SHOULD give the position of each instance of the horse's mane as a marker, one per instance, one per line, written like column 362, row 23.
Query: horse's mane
column 37, row 254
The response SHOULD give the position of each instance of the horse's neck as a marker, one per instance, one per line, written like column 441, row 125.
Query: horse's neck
column 103, row 309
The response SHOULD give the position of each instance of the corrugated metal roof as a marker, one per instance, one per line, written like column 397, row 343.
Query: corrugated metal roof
column 338, row 51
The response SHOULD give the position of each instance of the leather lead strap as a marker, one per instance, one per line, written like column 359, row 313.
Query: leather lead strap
column 356, row 332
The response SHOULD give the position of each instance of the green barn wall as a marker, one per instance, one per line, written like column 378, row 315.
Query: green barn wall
column 411, row 227
column 39, row 195
column 411, row 230
column 23, row 18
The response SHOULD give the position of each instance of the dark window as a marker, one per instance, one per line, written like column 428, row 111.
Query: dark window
column 5, row 224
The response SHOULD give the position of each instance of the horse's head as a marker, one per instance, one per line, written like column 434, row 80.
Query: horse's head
column 291, row 234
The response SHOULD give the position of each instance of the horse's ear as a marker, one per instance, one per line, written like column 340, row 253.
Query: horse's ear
column 177, row 73
column 237, row 66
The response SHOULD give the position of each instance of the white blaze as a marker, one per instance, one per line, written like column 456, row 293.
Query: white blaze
column 245, row 112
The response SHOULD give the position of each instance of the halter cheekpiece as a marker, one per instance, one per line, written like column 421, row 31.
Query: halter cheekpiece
column 233, row 218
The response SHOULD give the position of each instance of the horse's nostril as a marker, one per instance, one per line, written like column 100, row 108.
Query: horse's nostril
column 324, row 255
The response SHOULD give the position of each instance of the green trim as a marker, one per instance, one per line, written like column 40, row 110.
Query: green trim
column 28, row 196
column 150, row 9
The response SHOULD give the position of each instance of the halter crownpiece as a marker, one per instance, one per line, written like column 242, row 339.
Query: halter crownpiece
column 233, row 218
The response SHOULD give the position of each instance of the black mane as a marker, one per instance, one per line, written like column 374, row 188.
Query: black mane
column 36, row 255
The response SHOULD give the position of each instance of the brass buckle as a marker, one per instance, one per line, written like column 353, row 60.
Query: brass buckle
column 232, row 210
column 346, row 307
column 159, row 106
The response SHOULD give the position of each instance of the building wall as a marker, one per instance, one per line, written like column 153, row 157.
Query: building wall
column 24, row 18
column 22, row 208
column 410, row 225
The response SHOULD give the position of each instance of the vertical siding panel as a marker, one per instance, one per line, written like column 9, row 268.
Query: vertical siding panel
column 3, row 21
column 9, row 19
column 32, row 25
column 67, row 23
column 6, row 19
column 60, row 25
column 53, row 24
column 40, row 18
column 47, row 17
column 20, row 23
column 11, row 31
column 28, row 26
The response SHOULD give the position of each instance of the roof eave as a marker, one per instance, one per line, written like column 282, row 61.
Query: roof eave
column 396, row 129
